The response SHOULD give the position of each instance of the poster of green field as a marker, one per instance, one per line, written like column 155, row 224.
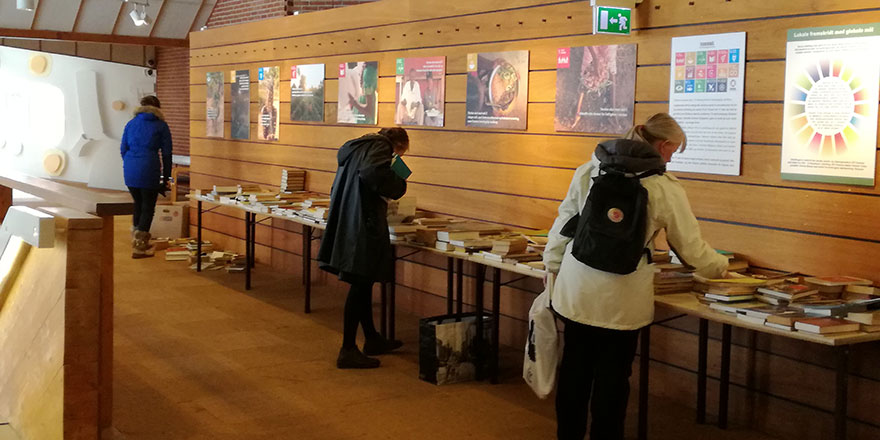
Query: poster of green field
column 307, row 93
column 214, row 105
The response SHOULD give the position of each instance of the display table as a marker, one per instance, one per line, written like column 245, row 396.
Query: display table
column 687, row 303
column 454, row 273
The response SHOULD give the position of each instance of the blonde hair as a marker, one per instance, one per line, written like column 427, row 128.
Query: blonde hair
column 660, row 127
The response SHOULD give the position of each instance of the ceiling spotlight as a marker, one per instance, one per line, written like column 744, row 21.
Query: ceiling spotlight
column 139, row 15
column 25, row 5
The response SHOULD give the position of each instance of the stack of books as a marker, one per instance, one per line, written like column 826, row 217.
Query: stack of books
column 401, row 232
column 315, row 209
column 673, row 278
column 293, row 180
column 868, row 321
column 781, row 294
column 727, row 290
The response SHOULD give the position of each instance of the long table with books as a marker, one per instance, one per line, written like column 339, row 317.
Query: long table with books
column 689, row 304
column 455, row 266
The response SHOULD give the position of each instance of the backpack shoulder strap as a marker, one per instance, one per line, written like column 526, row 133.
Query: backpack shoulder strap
column 649, row 173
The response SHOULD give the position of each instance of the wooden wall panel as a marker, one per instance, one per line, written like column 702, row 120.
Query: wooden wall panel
column 518, row 177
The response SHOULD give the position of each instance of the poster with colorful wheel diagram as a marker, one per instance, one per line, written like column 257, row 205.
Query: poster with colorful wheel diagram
column 240, row 125
column 706, row 85
column 358, row 93
column 831, row 91
column 214, row 105
column 497, row 90
column 307, row 93
column 270, row 103
column 595, row 88
column 421, row 84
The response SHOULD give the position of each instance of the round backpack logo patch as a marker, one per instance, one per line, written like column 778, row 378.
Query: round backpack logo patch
column 615, row 215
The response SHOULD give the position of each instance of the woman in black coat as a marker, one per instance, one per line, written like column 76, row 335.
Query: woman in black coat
column 356, row 243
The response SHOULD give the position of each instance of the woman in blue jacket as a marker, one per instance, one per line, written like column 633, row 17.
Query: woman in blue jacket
column 145, row 136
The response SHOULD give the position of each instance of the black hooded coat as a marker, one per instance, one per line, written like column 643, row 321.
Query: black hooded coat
column 356, row 243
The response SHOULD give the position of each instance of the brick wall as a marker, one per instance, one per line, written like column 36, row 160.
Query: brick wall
column 318, row 5
column 228, row 12
column 172, row 88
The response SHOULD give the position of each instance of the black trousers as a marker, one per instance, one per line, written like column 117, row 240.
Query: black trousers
column 358, row 311
column 144, row 207
column 596, row 365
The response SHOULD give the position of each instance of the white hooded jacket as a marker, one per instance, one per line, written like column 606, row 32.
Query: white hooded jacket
column 623, row 302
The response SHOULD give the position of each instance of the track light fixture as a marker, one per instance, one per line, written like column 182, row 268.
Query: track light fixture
column 138, row 13
column 25, row 5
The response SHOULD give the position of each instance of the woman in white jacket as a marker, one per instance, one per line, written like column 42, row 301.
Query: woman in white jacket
column 603, row 311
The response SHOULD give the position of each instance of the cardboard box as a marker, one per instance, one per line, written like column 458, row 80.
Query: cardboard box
column 171, row 221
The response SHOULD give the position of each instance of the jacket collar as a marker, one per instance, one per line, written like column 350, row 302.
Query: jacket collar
column 155, row 111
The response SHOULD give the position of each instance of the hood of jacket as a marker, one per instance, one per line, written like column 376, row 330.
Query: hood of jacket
column 632, row 155
column 150, row 110
column 347, row 149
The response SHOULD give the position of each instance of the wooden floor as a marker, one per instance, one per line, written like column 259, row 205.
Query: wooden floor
column 197, row 357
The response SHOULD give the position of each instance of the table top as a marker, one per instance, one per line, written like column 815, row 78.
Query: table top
column 687, row 303
column 100, row 202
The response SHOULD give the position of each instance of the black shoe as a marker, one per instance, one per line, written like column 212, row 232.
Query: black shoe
column 379, row 345
column 353, row 358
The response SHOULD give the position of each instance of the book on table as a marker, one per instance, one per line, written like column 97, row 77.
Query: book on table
column 784, row 327
column 735, row 308
column 788, row 291
column 825, row 325
column 786, row 318
column 750, row 319
column 867, row 318
column 445, row 235
column 730, row 298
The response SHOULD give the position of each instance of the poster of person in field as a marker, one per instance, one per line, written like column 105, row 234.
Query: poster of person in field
column 270, row 102
column 595, row 88
column 497, row 89
column 421, row 87
column 214, row 105
column 241, row 104
column 358, row 93
column 307, row 93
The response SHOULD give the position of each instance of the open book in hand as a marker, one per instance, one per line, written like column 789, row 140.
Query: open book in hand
column 399, row 167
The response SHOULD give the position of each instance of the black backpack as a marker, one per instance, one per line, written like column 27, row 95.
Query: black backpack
column 609, row 234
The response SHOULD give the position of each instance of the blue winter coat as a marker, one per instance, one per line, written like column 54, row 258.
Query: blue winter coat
column 144, row 137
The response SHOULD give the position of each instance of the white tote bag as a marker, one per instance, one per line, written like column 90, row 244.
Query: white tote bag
column 543, row 346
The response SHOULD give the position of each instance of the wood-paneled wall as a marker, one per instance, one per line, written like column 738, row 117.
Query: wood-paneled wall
column 518, row 177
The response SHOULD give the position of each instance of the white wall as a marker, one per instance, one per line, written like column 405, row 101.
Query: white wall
column 85, row 127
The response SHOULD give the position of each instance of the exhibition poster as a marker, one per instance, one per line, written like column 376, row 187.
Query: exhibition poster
column 421, row 84
column 270, row 102
column 497, row 90
column 358, row 93
column 214, row 105
column 307, row 93
column 241, row 104
column 707, row 79
column 831, row 92
column 595, row 88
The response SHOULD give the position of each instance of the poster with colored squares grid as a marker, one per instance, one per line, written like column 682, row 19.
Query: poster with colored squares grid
column 831, row 95
column 706, row 84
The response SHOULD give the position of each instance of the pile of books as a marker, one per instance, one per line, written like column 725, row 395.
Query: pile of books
column 184, row 251
column 512, row 250
column 293, row 180
column 315, row 209
column 727, row 290
column 672, row 278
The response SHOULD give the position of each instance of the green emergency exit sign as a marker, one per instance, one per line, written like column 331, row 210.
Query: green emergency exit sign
column 610, row 20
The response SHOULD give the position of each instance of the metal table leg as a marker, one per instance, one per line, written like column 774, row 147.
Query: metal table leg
column 392, row 293
column 724, row 391
column 478, row 302
column 199, row 236
column 450, row 286
column 383, row 309
column 459, row 285
column 253, row 240
column 247, row 251
column 496, row 325
column 841, row 389
column 701, row 370
column 307, row 266
column 644, row 366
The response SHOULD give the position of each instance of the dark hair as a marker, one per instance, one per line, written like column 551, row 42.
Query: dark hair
column 151, row 101
column 398, row 137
